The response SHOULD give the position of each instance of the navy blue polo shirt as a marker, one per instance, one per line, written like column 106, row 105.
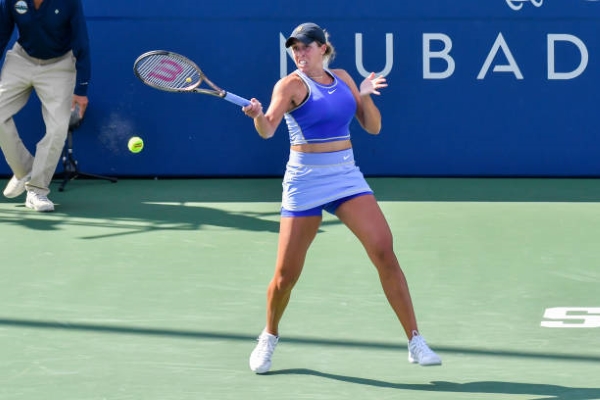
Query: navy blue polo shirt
column 51, row 31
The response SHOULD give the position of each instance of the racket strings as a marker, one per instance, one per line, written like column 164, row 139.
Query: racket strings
column 168, row 72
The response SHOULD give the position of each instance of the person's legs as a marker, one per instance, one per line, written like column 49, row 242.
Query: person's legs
column 365, row 219
column 54, row 86
column 15, row 89
column 295, row 236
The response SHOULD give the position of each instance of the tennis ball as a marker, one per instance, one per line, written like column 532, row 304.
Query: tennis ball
column 188, row 79
column 135, row 144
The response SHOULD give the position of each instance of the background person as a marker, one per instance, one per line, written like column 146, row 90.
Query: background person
column 52, row 57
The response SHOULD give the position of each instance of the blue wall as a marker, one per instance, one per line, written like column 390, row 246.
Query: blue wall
column 521, row 113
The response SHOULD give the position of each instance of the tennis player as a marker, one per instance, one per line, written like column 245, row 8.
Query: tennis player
column 318, row 105
column 52, row 57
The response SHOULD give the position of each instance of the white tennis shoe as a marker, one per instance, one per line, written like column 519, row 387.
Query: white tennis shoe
column 420, row 353
column 260, row 359
column 15, row 186
column 38, row 202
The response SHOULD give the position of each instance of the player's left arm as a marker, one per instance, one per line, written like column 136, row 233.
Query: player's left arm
column 367, row 112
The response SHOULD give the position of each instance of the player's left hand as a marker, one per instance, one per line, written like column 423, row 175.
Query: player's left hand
column 372, row 84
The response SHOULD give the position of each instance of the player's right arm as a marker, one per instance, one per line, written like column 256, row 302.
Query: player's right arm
column 287, row 94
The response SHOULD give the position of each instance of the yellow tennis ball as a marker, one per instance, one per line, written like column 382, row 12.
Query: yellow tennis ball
column 135, row 144
column 188, row 79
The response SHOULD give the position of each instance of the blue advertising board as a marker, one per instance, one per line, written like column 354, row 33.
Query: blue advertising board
column 476, row 88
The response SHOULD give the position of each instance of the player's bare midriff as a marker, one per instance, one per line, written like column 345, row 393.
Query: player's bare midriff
column 322, row 147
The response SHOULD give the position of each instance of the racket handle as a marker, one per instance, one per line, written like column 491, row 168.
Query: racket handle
column 235, row 99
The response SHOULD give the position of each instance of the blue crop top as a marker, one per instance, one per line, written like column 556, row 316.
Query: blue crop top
column 325, row 115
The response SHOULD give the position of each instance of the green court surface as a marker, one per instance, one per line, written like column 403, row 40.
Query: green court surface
column 155, row 290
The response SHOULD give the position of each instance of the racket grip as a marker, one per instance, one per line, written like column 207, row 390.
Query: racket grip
column 235, row 99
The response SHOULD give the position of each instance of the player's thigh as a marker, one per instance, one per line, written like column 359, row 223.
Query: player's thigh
column 363, row 216
column 295, row 236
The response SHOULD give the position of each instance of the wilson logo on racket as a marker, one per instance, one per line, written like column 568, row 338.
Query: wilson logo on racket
column 166, row 70
column 172, row 72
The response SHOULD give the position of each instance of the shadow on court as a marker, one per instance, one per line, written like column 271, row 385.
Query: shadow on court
column 139, row 206
column 199, row 335
column 144, row 205
column 548, row 392
column 151, row 217
column 144, row 217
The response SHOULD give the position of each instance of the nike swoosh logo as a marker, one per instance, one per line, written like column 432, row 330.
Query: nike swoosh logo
column 331, row 91
column 346, row 157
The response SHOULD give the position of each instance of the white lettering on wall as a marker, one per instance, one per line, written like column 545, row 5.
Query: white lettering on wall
column 552, row 39
column 283, row 56
column 389, row 55
column 500, row 44
column 518, row 4
column 443, row 54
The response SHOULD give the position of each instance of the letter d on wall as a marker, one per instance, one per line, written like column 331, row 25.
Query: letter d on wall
column 552, row 74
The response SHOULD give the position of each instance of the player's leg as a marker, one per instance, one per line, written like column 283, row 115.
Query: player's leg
column 365, row 219
column 295, row 236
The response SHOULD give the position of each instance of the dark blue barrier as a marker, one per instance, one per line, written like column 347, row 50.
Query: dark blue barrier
column 477, row 87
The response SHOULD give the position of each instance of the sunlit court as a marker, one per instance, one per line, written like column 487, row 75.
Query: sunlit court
column 161, row 295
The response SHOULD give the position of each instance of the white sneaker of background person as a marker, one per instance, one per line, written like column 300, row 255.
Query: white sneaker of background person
column 38, row 202
column 15, row 186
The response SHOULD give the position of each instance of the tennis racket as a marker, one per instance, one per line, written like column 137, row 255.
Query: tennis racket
column 172, row 72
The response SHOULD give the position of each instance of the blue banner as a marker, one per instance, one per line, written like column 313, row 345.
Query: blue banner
column 476, row 88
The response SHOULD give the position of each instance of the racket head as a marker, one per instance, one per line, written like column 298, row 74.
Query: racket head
column 168, row 71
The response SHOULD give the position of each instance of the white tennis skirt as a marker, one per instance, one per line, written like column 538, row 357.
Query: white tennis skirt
column 314, row 179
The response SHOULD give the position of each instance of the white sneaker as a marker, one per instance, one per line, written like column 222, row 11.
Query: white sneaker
column 38, row 202
column 260, row 359
column 420, row 353
column 15, row 186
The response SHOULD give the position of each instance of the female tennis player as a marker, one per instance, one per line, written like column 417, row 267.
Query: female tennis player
column 318, row 105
